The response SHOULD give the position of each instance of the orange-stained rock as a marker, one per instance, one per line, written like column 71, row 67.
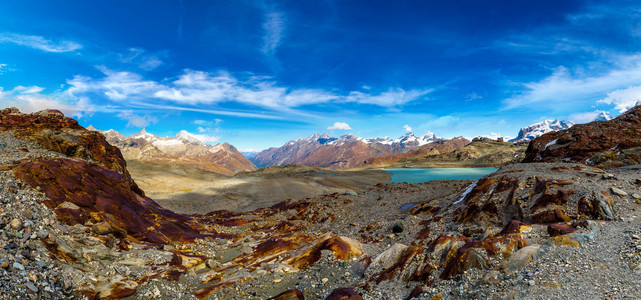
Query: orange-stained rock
column 516, row 227
column 559, row 229
column 289, row 295
column 344, row 294
column 101, row 228
column 272, row 246
column 566, row 240
column 551, row 216
column 109, row 194
column 343, row 248
column 55, row 132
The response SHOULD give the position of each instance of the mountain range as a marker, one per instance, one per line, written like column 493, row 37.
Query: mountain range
column 347, row 151
column 184, row 149
column 318, row 150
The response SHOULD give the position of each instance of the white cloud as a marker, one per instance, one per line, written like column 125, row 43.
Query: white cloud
column 118, row 86
column 564, row 87
column 198, row 87
column 274, row 25
column 473, row 96
column 583, row 117
column 141, row 58
column 40, row 43
column 407, row 128
column 623, row 99
column 214, row 122
column 3, row 68
column 29, row 99
column 393, row 97
column 137, row 120
column 340, row 126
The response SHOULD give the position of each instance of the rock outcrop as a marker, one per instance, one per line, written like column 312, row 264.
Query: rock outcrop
column 604, row 144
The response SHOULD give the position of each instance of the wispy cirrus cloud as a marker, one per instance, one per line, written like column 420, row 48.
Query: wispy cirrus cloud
column 40, row 43
column 142, row 59
column 199, row 87
column 137, row 120
column 30, row 99
column 274, row 27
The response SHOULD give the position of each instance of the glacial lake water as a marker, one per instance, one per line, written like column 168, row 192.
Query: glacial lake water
column 422, row 175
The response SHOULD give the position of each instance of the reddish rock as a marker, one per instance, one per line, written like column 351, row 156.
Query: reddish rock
column 343, row 248
column 55, row 132
column 109, row 194
column 605, row 144
column 551, row 216
column 559, row 229
column 289, row 295
column 344, row 294
column 516, row 227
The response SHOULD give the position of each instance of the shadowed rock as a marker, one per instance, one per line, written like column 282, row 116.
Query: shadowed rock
column 344, row 294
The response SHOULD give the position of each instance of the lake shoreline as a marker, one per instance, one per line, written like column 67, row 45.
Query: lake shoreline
column 418, row 175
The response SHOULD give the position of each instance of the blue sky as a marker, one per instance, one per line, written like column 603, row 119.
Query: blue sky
column 258, row 73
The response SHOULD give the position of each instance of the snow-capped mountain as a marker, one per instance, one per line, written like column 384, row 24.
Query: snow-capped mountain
column 602, row 116
column 185, row 148
column 347, row 151
column 538, row 129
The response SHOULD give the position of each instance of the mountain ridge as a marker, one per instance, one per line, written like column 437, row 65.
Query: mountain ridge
column 346, row 151
column 183, row 148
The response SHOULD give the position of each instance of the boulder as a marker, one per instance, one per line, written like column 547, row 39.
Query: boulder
column 559, row 229
column 101, row 228
column 344, row 294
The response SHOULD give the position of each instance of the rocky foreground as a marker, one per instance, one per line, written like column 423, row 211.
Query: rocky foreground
column 75, row 225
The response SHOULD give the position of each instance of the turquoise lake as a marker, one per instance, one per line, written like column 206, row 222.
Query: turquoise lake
column 422, row 175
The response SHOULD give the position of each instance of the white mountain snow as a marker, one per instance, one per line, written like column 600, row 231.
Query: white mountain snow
column 538, row 129
column 602, row 116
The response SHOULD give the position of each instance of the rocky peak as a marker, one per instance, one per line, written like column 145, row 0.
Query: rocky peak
column 185, row 136
column 538, row 129
column 602, row 116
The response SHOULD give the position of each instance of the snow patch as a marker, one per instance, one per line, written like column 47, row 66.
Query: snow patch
column 550, row 144
column 467, row 191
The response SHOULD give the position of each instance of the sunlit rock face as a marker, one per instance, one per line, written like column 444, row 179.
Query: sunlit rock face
column 604, row 144
column 57, row 133
column 105, row 195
